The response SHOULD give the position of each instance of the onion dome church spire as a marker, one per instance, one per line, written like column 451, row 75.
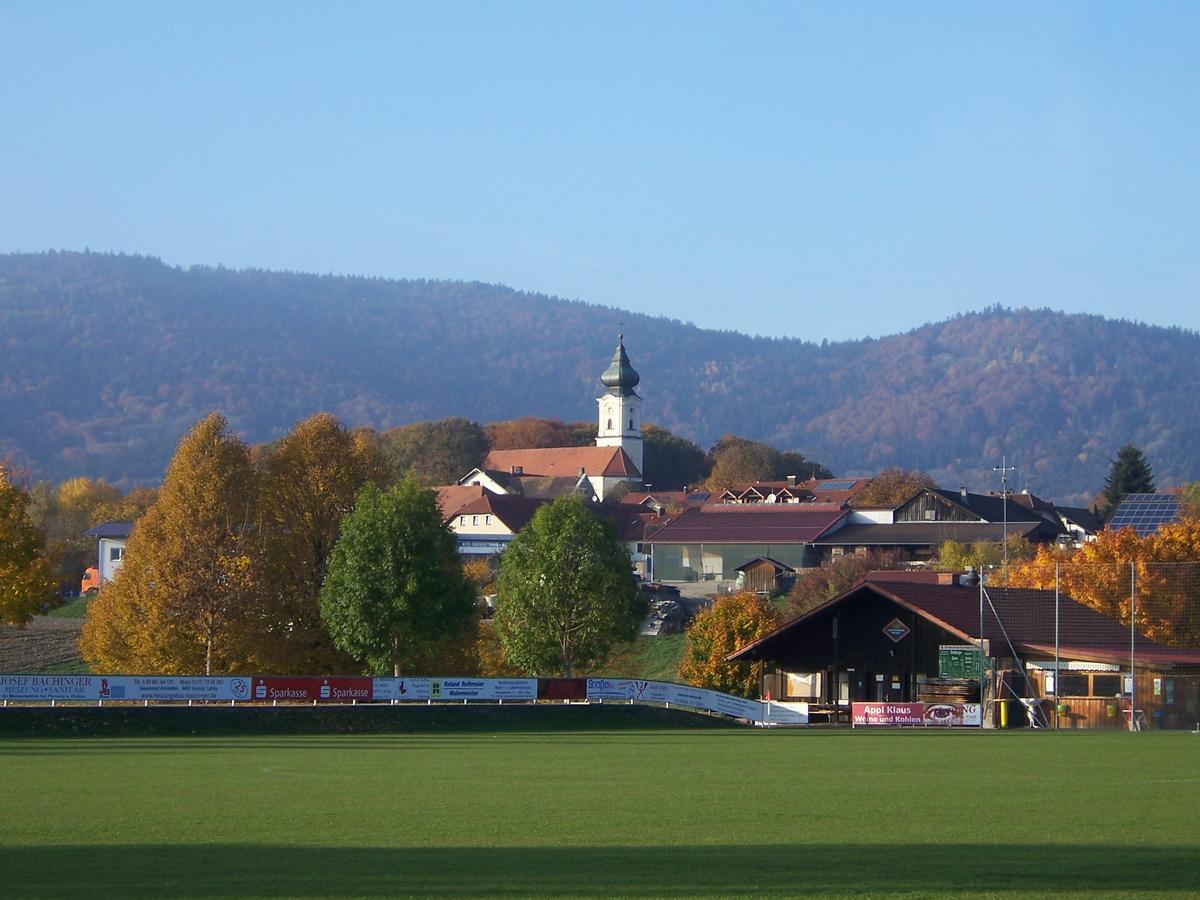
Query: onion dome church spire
column 620, row 422
column 620, row 377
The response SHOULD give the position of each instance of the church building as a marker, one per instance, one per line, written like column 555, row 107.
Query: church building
column 592, row 472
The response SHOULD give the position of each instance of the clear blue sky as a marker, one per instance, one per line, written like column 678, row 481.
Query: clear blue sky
column 835, row 171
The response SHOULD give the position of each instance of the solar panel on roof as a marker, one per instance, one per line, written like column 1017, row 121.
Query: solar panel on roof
column 1145, row 513
column 835, row 485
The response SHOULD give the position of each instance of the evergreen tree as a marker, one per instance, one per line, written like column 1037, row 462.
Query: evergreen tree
column 396, row 591
column 565, row 592
column 1130, row 474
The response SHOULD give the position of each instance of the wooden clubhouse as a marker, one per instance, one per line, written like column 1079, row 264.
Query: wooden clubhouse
column 901, row 637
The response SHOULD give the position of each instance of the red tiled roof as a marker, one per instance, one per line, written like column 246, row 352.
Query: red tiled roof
column 511, row 510
column 796, row 523
column 637, row 498
column 453, row 497
column 557, row 461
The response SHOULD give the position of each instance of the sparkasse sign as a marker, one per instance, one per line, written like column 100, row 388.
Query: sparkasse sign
column 329, row 690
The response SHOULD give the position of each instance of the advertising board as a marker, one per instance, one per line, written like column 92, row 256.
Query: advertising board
column 887, row 714
column 893, row 714
column 454, row 690
column 618, row 689
column 407, row 690
column 122, row 687
column 483, row 689
column 308, row 688
column 175, row 688
column 49, row 687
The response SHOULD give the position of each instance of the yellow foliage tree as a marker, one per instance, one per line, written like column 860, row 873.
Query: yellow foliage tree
column 25, row 580
column 309, row 482
column 730, row 623
column 184, row 599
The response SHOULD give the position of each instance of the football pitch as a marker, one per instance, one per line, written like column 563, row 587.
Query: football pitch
column 612, row 813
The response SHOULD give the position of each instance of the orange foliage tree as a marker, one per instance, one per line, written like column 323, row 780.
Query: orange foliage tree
column 1106, row 573
column 731, row 622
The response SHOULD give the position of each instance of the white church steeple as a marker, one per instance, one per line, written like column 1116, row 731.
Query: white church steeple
column 620, row 423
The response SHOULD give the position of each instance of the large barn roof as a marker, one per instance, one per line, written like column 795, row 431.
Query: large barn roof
column 1023, row 616
column 756, row 523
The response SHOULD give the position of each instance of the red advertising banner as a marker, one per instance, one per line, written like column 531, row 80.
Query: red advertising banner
column 915, row 714
column 887, row 714
column 299, row 689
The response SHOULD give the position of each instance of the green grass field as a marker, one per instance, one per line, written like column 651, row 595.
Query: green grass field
column 640, row 813
column 72, row 609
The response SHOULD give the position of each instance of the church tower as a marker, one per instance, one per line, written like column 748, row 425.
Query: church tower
column 620, row 422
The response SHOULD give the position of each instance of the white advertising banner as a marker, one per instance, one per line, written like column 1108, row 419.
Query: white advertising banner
column 405, row 689
column 441, row 690
column 122, row 687
column 483, row 689
column 49, row 687
column 696, row 698
column 168, row 687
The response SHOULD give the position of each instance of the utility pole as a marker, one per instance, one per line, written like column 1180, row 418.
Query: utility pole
column 1004, row 468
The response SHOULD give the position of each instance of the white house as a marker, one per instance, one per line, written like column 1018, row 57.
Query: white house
column 110, row 553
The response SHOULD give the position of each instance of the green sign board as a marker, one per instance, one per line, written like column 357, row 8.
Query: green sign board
column 959, row 661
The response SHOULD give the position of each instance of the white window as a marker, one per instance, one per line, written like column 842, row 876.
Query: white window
column 487, row 520
column 610, row 424
column 631, row 423
column 474, row 520
column 462, row 520
column 115, row 554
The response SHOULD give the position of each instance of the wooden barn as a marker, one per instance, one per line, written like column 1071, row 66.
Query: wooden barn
column 765, row 576
column 900, row 637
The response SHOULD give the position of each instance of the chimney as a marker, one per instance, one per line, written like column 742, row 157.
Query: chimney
column 963, row 491
column 791, row 480
column 582, row 471
column 518, row 470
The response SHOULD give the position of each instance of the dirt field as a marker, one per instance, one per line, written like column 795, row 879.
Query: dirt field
column 43, row 642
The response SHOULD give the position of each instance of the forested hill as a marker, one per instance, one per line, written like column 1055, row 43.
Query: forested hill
column 105, row 360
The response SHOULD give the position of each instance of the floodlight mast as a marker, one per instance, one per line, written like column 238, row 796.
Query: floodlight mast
column 1004, row 468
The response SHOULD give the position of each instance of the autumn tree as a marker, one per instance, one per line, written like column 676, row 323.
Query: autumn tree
column 1189, row 499
column 1129, row 474
column 565, row 592
column 438, row 452
column 956, row 556
column 527, row 432
column 737, row 460
column 309, row 483
column 183, row 599
column 64, row 513
column 1163, row 568
column 670, row 462
column 891, row 487
column 25, row 579
column 814, row 586
column 128, row 507
column 396, row 591
column 732, row 622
